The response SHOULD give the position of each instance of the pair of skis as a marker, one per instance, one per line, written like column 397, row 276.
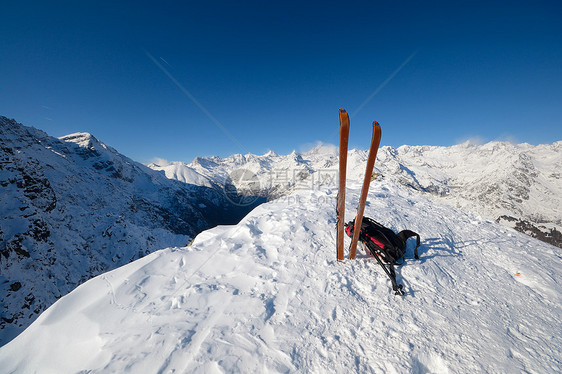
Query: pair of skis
column 340, row 209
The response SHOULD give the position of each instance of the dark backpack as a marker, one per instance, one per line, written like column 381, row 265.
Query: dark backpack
column 386, row 246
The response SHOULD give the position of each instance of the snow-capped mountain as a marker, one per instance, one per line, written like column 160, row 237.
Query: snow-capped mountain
column 73, row 208
column 519, row 185
column 267, row 295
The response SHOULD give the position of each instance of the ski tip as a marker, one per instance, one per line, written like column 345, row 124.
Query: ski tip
column 375, row 123
column 342, row 111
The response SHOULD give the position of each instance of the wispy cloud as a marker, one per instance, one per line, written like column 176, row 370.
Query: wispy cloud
column 473, row 140
column 159, row 161
column 508, row 138
column 479, row 140
column 306, row 147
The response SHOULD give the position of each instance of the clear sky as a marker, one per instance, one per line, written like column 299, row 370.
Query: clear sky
column 182, row 79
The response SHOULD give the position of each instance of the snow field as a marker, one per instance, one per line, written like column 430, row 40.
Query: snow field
column 267, row 295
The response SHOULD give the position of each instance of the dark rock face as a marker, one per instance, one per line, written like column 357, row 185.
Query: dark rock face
column 550, row 236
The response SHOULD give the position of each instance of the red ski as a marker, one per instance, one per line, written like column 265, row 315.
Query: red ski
column 340, row 208
column 375, row 141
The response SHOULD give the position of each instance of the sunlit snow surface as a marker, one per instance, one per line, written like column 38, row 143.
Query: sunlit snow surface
column 267, row 295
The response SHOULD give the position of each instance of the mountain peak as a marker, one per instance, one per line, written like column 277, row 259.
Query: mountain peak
column 83, row 140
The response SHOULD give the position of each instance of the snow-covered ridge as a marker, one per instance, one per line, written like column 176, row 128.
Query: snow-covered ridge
column 519, row 185
column 176, row 170
column 267, row 295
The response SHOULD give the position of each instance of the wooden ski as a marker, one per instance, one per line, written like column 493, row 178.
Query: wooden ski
column 340, row 208
column 375, row 141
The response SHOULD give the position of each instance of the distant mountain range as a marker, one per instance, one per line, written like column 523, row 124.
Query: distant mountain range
column 518, row 185
column 73, row 208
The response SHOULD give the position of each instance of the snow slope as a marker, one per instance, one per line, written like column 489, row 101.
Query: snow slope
column 177, row 170
column 267, row 295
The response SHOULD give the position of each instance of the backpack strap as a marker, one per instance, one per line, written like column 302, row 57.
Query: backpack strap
column 405, row 234
column 397, row 288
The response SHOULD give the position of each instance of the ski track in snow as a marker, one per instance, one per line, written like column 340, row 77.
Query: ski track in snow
column 267, row 295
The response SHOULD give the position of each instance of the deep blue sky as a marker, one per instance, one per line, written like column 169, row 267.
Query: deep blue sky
column 273, row 74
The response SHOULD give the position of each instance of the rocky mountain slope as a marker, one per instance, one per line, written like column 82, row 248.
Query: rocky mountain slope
column 72, row 208
column 518, row 185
